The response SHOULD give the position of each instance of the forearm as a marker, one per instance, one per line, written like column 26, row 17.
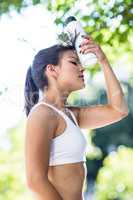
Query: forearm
column 114, row 91
column 44, row 190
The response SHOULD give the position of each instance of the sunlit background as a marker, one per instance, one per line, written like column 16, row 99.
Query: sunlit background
column 22, row 35
column 35, row 27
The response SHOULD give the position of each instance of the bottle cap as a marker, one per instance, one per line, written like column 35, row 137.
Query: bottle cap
column 68, row 20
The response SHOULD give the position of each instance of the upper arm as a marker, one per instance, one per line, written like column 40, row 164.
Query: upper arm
column 98, row 116
column 39, row 133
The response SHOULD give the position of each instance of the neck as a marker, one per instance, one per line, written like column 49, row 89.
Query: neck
column 56, row 97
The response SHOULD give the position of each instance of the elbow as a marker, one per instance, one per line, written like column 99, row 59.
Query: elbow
column 122, row 112
column 125, row 113
column 33, row 182
column 30, row 183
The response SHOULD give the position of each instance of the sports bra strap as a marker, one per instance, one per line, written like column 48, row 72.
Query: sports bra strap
column 59, row 111
column 73, row 116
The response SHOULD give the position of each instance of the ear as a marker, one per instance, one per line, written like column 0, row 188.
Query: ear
column 52, row 70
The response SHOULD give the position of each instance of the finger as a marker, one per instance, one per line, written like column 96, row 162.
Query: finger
column 85, row 47
column 89, row 41
column 87, row 37
column 86, row 42
column 91, row 50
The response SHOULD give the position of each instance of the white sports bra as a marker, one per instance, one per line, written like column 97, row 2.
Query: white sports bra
column 70, row 146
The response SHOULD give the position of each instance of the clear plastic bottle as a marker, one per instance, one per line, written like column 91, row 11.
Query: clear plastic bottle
column 75, row 30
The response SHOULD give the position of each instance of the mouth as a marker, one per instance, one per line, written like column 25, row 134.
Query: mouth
column 81, row 77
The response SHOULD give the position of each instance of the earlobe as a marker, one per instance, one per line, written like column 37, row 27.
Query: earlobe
column 52, row 70
column 50, row 67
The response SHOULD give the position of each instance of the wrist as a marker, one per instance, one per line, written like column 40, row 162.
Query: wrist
column 104, row 61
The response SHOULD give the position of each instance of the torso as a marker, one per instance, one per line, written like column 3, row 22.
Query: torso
column 68, row 179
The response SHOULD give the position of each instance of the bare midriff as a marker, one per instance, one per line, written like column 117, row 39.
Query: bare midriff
column 68, row 179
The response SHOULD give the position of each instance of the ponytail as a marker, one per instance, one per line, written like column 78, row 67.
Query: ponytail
column 36, row 79
column 31, row 92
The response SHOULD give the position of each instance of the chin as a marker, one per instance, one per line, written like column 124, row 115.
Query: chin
column 82, row 86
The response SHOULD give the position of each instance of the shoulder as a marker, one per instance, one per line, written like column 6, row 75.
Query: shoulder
column 40, row 116
column 40, row 110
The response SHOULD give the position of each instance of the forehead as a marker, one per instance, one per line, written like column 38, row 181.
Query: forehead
column 70, row 54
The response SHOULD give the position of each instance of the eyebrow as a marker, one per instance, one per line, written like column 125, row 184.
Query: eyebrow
column 77, row 59
column 74, row 57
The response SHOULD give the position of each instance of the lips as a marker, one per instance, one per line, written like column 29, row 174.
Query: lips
column 81, row 76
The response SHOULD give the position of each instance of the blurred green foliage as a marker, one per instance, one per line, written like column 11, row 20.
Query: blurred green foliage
column 115, row 178
column 105, row 20
column 12, row 174
column 111, row 24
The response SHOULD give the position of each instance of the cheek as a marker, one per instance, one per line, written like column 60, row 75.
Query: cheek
column 68, row 76
column 70, row 72
column 66, row 80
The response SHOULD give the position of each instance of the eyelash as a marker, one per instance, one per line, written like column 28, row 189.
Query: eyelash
column 74, row 63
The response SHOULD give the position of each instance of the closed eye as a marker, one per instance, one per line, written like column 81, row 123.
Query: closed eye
column 73, row 62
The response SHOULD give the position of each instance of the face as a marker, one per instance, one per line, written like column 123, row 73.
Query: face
column 71, row 72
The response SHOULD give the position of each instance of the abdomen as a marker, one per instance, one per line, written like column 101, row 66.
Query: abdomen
column 68, row 179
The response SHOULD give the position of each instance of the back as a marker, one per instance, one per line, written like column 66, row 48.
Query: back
column 39, row 133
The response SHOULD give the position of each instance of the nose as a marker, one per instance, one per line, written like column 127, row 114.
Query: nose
column 82, row 68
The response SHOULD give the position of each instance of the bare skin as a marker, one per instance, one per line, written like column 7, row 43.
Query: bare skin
column 68, row 179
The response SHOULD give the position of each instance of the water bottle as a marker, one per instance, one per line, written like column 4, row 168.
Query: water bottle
column 75, row 31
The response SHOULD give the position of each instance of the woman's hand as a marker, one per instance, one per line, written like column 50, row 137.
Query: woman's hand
column 89, row 46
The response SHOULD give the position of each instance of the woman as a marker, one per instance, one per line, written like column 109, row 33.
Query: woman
column 54, row 144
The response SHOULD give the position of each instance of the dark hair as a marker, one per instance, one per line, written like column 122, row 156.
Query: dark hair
column 35, row 77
